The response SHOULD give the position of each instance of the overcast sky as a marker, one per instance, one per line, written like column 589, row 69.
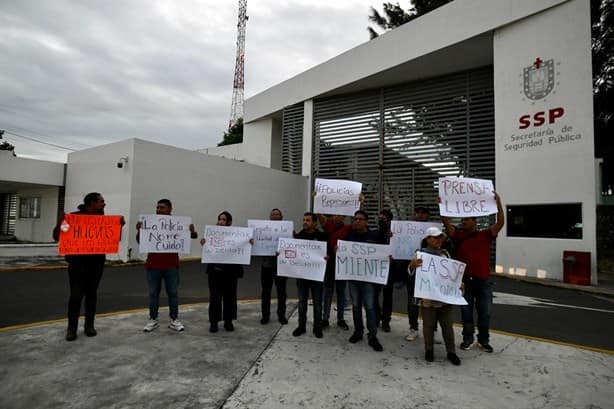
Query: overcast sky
column 82, row 73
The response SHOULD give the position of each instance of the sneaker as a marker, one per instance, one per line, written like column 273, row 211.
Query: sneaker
column 413, row 334
column 452, row 357
column 151, row 325
column 228, row 326
column 264, row 321
column 429, row 355
column 176, row 325
column 485, row 347
column 466, row 346
column 374, row 343
column 343, row 324
column 317, row 331
column 299, row 331
column 283, row 320
column 213, row 327
column 385, row 326
column 90, row 331
column 71, row 334
column 355, row 337
column 324, row 323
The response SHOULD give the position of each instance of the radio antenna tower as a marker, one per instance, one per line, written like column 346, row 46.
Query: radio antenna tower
column 236, row 109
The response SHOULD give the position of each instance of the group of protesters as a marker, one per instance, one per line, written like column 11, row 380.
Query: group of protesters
column 465, row 243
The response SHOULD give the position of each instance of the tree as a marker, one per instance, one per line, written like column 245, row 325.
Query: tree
column 234, row 134
column 395, row 16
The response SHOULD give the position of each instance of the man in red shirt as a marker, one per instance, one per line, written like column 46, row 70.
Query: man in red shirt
column 472, row 247
column 163, row 266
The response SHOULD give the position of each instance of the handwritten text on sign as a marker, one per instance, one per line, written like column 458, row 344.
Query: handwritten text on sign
column 267, row 234
column 227, row 245
column 362, row 262
column 90, row 234
column 334, row 196
column 439, row 279
column 164, row 234
column 406, row 237
column 301, row 259
column 466, row 197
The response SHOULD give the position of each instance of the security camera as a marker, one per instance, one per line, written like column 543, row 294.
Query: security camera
column 122, row 162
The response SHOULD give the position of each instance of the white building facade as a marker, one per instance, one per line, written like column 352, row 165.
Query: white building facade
column 497, row 89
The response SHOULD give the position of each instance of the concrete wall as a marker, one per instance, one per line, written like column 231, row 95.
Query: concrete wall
column 234, row 151
column 38, row 230
column 545, row 167
column 257, row 139
column 22, row 170
column 201, row 186
column 95, row 170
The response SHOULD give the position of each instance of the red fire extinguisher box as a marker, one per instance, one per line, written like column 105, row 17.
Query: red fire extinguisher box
column 577, row 267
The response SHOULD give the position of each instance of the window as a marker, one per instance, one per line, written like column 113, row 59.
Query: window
column 30, row 208
column 552, row 221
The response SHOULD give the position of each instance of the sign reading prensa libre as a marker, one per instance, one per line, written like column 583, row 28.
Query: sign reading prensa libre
column 466, row 197
column 89, row 234
column 362, row 262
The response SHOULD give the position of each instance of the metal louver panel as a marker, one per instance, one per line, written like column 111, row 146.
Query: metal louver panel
column 398, row 141
column 8, row 213
column 292, row 139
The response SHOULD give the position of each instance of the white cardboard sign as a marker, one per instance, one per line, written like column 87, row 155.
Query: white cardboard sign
column 362, row 262
column 301, row 259
column 267, row 234
column 439, row 279
column 466, row 197
column 227, row 245
column 164, row 234
column 407, row 236
column 335, row 196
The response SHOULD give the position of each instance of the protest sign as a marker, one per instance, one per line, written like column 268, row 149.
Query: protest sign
column 89, row 234
column 362, row 262
column 466, row 197
column 301, row 259
column 227, row 245
column 164, row 234
column 334, row 196
column 267, row 234
column 407, row 236
column 439, row 279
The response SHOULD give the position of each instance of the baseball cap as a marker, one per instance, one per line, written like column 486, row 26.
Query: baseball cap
column 433, row 232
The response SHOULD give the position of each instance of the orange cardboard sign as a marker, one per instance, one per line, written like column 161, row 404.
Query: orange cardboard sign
column 89, row 234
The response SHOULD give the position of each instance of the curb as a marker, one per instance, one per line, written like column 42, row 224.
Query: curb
column 565, row 286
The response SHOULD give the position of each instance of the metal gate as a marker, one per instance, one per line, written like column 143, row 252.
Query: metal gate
column 399, row 140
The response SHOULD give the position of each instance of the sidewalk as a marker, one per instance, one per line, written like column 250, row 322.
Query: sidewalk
column 264, row 366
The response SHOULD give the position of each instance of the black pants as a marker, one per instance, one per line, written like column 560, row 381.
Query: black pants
column 267, row 277
column 303, row 287
column 222, row 297
column 83, row 278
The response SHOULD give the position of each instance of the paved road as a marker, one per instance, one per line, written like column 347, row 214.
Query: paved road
column 521, row 308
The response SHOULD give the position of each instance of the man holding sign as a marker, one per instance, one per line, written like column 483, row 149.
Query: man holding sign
column 162, row 234
column 310, row 232
column 473, row 248
column 438, row 284
column 362, row 284
column 85, row 237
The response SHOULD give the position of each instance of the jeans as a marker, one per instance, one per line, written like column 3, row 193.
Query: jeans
column 303, row 287
column 413, row 308
column 171, row 283
column 363, row 293
column 267, row 277
column 83, row 277
column 478, row 293
column 331, row 284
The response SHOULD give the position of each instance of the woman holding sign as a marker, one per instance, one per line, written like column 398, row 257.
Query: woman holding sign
column 223, row 279
column 433, row 311
column 84, row 270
